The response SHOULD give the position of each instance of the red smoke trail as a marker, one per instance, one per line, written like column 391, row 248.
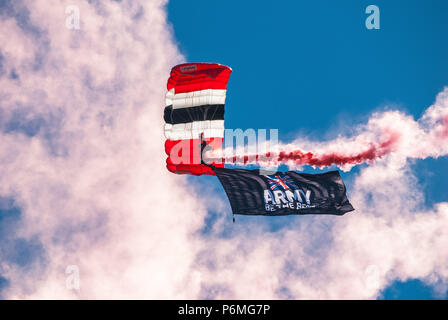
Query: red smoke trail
column 385, row 133
column 298, row 157
column 339, row 159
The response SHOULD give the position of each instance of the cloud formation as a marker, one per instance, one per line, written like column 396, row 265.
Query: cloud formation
column 84, row 181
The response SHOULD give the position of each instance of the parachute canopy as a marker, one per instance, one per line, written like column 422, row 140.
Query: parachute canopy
column 194, row 115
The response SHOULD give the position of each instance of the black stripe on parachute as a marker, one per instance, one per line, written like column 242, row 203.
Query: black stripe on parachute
column 190, row 114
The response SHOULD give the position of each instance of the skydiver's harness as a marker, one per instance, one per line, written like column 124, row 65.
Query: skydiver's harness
column 203, row 148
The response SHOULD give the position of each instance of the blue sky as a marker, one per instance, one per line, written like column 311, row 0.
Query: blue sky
column 314, row 69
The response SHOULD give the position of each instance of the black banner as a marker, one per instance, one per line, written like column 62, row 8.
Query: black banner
column 283, row 193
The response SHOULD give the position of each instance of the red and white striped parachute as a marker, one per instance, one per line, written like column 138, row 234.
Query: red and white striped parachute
column 194, row 115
